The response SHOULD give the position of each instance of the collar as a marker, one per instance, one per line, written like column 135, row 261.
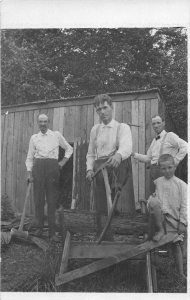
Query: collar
column 162, row 133
column 42, row 134
column 110, row 124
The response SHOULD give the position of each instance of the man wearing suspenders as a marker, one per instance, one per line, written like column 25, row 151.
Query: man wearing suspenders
column 112, row 142
column 163, row 143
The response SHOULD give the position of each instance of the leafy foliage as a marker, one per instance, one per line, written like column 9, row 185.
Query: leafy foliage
column 56, row 63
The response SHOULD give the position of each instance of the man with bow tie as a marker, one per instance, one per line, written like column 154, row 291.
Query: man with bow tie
column 43, row 170
column 111, row 142
column 163, row 143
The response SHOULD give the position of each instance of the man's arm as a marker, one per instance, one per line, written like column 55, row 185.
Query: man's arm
column 68, row 149
column 179, row 144
column 30, row 160
column 144, row 157
column 183, row 206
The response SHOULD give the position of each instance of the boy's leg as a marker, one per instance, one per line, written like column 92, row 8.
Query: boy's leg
column 178, row 256
column 157, row 217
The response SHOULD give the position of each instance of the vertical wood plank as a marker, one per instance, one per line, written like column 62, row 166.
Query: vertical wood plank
column 4, row 156
column 148, row 126
column 15, row 155
column 2, row 131
column 127, row 108
column 9, row 157
column 135, row 164
column 96, row 117
column 142, row 148
column 24, row 151
column 19, row 196
column 50, row 118
column 154, row 111
column 62, row 120
column 35, row 125
column 56, row 112
column 69, row 128
column 30, row 208
column 127, row 194
column 90, row 120
column 83, row 122
column 76, row 122
column 119, row 112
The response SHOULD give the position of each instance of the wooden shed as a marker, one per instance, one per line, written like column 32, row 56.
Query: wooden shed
column 74, row 118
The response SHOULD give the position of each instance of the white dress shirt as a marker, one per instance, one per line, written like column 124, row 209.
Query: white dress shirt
column 171, row 145
column 172, row 194
column 105, row 142
column 46, row 146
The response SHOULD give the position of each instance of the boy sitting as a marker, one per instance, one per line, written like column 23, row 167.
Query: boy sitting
column 168, row 207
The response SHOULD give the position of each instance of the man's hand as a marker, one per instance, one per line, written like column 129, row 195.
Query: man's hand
column 114, row 161
column 89, row 175
column 181, row 228
column 62, row 162
column 29, row 177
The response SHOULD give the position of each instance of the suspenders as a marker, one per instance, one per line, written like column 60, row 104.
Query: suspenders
column 117, row 137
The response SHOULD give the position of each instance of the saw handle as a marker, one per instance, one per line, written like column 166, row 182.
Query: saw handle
column 24, row 208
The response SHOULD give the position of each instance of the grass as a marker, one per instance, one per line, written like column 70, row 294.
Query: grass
column 36, row 272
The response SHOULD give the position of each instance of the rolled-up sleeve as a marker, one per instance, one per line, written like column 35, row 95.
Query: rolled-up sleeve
column 65, row 145
column 30, row 156
column 91, row 154
column 183, row 207
column 179, row 144
column 125, row 141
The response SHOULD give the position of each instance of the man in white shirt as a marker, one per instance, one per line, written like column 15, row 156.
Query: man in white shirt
column 112, row 142
column 43, row 169
column 163, row 143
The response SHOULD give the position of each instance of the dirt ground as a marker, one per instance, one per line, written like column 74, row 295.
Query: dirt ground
column 26, row 268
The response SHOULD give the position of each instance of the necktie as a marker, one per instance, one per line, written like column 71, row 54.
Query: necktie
column 158, row 137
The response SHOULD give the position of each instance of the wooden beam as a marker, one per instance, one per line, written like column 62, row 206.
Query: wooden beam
column 105, row 249
column 110, row 261
column 65, row 255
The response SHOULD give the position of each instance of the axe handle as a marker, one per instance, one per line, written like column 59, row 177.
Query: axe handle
column 24, row 208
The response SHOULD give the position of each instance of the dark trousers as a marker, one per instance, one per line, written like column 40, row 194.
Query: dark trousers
column 117, row 177
column 46, row 184
column 154, row 174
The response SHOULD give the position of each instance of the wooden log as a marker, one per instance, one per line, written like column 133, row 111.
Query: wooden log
column 85, row 222
column 110, row 261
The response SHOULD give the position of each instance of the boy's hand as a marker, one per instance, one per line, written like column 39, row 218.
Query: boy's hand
column 181, row 228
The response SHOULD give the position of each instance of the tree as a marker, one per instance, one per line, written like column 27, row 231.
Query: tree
column 55, row 63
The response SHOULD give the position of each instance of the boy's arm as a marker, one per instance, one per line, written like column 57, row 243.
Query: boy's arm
column 183, row 206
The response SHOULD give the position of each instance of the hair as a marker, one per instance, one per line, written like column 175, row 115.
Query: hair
column 166, row 157
column 154, row 116
column 100, row 99
column 42, row 115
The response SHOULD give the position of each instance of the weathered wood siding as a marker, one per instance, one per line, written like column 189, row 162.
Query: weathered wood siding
column 74, row 118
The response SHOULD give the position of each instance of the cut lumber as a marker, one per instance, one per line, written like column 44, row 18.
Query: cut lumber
column 85, row 222
column 110, row 261
column 65, row 255
column 149, row 273
column 95, row 250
